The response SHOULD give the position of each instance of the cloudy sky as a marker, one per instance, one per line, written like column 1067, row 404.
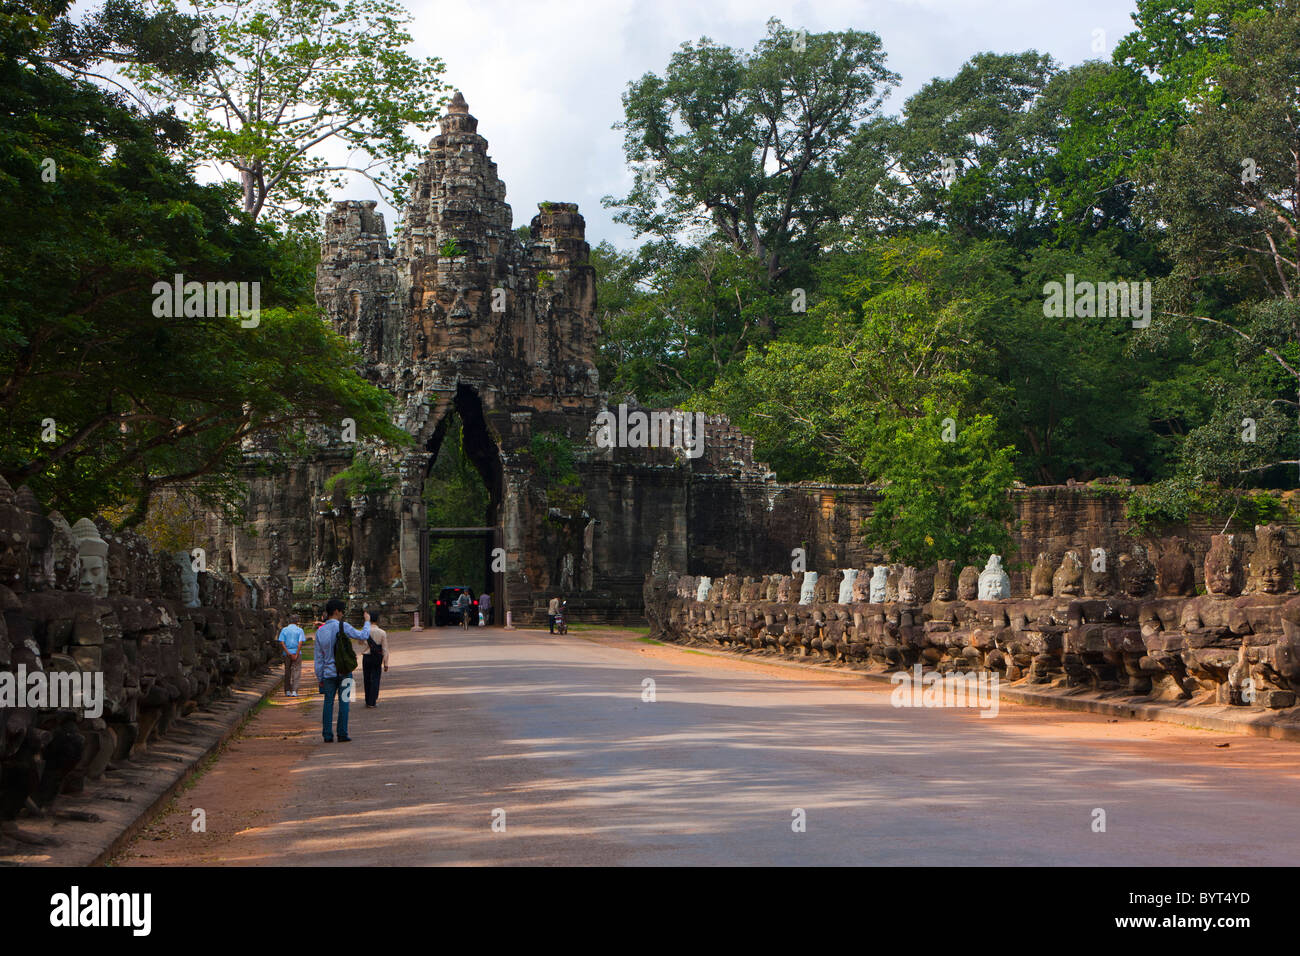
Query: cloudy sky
column 544, row 77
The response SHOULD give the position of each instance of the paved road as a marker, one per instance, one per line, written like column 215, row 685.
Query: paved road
column 554, row 732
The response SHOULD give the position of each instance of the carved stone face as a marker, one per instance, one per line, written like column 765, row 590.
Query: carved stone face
column 994, row 583
column 943, row 589
column 1222, row 567
column 189, row 579
column 968, row 583
column 879, row 575
column 92, row 551
column 907, row 586
column 1270, row 565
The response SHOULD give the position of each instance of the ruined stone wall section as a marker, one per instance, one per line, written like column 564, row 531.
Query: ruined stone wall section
column 163, row 640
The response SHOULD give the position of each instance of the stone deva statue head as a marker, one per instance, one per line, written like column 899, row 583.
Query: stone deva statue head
column 847, row 578
column 968, row 583
column 66, row 569
column 702, row 588
column 1223, row 567
column 907, row 586
column 943, row 582
column 92, row 552
column 1098, row 573
column 862, row 586
column 808, row 587
column 1174, row 576
column 876, row 593
column 1040, row 579
column 189, row 579
column 1137, row 575
column 1068, row 579
column 783, row 589
column 1270, row 565
column 994, row 583
column 773, row 587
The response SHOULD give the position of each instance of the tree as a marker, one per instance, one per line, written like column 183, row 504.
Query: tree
column 1228, row 191
column 746, row 146
column 945, row 493
column 886, row 336
column 106, row 397
column 972, row 148
column 293, row 77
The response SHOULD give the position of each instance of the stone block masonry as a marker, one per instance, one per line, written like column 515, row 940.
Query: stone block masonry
column 157, row 639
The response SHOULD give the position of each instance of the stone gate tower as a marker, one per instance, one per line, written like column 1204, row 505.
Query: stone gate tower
column 461, row 314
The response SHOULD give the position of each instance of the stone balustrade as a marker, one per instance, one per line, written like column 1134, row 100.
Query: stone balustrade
column 1099, row 621
column 83, row 606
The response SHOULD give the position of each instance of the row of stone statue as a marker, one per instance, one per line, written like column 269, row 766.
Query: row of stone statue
column 83, row 600
column 1098, row 574
column 1143, row 630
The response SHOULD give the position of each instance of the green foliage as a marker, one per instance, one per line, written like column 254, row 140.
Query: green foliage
column 291, row 75
column 943, row 499
column 747, row 146
column 455, row 497
column 141, row 401
column 450, row 248
column 364, row 476
column 556, row 467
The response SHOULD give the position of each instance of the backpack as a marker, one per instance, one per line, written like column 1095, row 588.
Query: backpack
column 345, row 658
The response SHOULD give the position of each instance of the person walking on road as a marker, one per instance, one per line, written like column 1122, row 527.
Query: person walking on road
column 291, row 637
column 332, row 682
column 484, row 609
column 373, row 660
column 552, row 610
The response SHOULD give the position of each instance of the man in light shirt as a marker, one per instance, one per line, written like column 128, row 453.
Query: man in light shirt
column 376, row 657
column 292, row 637
column 552, row 610
column 331, row 682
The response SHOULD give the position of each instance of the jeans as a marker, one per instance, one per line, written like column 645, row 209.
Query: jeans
column 345, row 689
column 292, row 673
column 372, row 666
column 551, row 618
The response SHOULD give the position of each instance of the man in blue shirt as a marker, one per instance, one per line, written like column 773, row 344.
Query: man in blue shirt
column 331, row 682
column 291, row 637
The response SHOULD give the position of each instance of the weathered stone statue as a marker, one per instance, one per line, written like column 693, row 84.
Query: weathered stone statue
column 1270, row 566
column 92, row 552
column 1098, row 575
column 968, row 583
column 907, row 586
column 943, row 583
column 846, row 585
column 878, row 576
column 808, row 588
column 1068, row 579
column 702, row 588
column 1174, row 575
column 1223, row 567
column 862, row 586
column 994, row 583
column 189, row 578
column 1137, row 575
column 66, row 568
column 1040, row 579
column 784, row 588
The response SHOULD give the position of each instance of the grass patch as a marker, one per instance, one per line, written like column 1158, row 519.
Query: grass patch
column 650, row 640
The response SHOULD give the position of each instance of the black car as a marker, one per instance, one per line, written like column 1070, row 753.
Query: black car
column 444, row 613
